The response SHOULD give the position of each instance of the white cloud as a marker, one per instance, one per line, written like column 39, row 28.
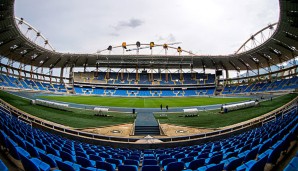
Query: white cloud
column 132, row 23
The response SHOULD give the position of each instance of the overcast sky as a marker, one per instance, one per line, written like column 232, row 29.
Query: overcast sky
column 203, row 26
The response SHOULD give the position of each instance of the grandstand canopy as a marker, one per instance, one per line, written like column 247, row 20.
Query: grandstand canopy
column 279, row 48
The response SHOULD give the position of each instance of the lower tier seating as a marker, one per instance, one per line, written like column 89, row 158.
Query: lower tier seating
column 255, row 149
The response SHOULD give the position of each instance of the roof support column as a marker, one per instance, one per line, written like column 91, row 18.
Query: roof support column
column 167, row 74
column 9, row 64
column 227, row 76
column 31, row 72
column 20, row 70
column 258, row 70
column 122, row 70
column 61, row 75
column 181, row 72
column 51, row 74
column 137, row 74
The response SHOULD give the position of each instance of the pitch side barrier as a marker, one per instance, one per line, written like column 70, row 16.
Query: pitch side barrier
column 121, row 142
column 46, row 103
column 237, row 106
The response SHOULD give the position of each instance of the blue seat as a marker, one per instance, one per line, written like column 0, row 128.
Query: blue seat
column 116, row 162
column 67, row 157
column 251, row 155
column 16, row 151
column 105, row 166
column 131, row 162
column 82, row 154
column 187, row 159
column 195, row 164
column 179, row 156
column 34, row 164
column 253, row 164
column 233, row 163
column 163, row 156
column 85, row 162
column 293, row 165
column 53, row 151
column 66, row 167
column 259, row 165
column 90, row 169
column 203, row 155
column 264, row 147
column 120, row 157
column 3, row 138
column 33, row 152
column 134, row 157
column 21, row 142
column 127, row 168
column 3, row 166
column 96, row 158
column 150, row 162
column 211, row 167
column 104, row 155
column 40, row 145
column 167, row 161
column 150, row 168
column 275, row 154
column 215, row 167
column 214, row 159
column 49, row 159
column 174, row 166
column 149, row 157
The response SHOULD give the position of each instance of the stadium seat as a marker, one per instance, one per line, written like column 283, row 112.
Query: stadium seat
column 116, row 162
column 3, row 166
column 174, row 166
column 293, row 164
column 66, row 167
column 167, row 161
column 16, row 151
column 232, row 163
column 127, row 168
column 34, row 164
column 105, row 166
column 50, row 160
column 150, row 168
column 150, row 162
column 131, row 162
column 195, row 164
column 96, row 158
column 85, row 162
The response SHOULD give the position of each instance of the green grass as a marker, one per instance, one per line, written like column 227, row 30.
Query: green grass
column 143, row 102
column 74, row 117
column 81, row 118
column 213, row 119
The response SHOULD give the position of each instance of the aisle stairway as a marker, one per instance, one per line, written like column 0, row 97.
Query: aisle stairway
column 146, row 124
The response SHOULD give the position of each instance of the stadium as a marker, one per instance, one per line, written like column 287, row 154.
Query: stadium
column 129, row 108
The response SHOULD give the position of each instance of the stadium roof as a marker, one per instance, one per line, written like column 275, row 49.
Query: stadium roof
column 279, row 48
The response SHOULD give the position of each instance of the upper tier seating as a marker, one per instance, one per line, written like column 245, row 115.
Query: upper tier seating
column 143, row 92
column 12, row 82
column 278, row 85
column 145, row 78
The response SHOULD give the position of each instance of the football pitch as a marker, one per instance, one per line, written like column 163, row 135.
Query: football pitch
column 143, row 102
column 78, row 118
